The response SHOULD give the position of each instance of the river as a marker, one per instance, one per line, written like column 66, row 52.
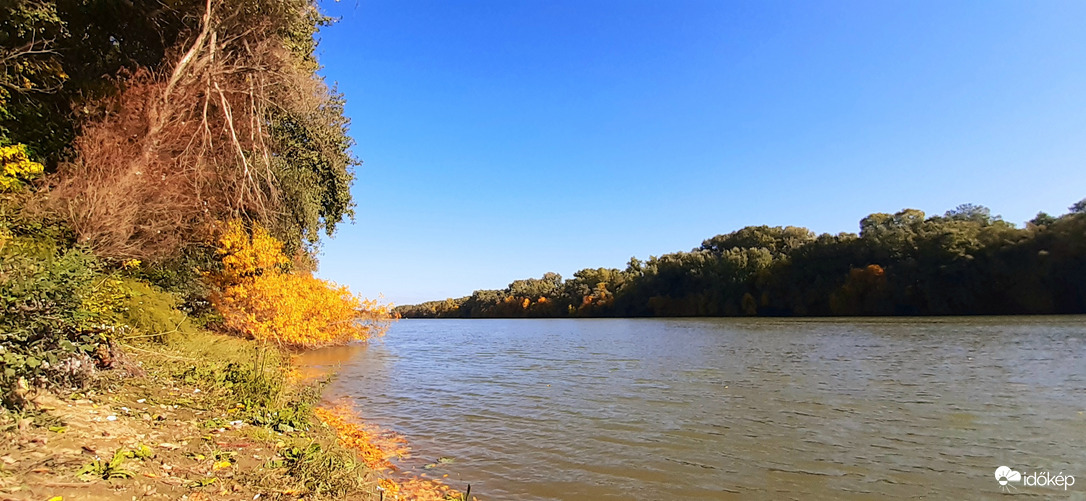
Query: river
column 698, row 409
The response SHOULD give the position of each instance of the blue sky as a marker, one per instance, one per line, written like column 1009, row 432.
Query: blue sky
column 504, row 139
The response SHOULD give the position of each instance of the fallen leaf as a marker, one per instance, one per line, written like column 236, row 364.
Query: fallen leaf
column 204, row 482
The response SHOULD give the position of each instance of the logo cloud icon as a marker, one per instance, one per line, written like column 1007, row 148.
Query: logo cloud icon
column 1005, row 474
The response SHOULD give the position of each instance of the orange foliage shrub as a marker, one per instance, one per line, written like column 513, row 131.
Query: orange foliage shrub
column 259, row 298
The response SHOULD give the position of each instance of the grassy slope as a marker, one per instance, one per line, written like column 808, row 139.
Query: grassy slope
column 179, row 400
column 181, row 412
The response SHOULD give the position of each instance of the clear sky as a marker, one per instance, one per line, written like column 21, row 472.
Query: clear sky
column 506, row 138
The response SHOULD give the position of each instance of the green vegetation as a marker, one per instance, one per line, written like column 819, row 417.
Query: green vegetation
column 143, row 145
column 222, row 414
column 333, row 471
column 109, row 470
column 247, row 384
column 54, row 303
column 964, row 262
column 133, row 136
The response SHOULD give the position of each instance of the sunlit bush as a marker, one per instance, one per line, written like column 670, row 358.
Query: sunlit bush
column 16, row 168
column 259, row 297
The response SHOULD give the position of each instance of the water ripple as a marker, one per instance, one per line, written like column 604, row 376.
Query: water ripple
column 727, row 409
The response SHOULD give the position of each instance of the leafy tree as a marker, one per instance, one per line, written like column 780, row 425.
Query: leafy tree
column 963, row 262
column 776, row 239
column 1043, row 219
column 969, row 212
column 313, row 166
column 1078, row 207
column 215, row 111
column 536, row 287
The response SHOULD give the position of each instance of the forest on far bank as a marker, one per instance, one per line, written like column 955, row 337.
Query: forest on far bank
column 964, row 262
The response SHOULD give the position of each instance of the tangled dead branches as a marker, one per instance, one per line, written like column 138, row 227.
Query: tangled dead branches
column 183, row 149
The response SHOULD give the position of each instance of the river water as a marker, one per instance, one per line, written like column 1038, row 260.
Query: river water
column 729, row 408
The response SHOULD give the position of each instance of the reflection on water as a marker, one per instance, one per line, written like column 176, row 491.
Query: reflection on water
column 726, row 408
column 319, row 363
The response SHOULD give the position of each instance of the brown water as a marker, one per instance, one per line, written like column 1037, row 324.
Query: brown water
column 725, row 408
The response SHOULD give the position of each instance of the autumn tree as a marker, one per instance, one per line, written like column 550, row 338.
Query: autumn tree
column 215, row 112
column 260, row 297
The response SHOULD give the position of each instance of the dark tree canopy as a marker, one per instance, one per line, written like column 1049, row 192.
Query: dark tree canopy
column 1079, row 207
column 963, row 262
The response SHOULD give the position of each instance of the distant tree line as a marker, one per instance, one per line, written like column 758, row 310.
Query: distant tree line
column 964, row 262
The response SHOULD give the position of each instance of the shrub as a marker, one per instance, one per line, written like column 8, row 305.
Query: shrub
column 186, row 277
column 259, row 298
column 16, row 168
column 55, row 303
column 324, row 471
column 151, row 312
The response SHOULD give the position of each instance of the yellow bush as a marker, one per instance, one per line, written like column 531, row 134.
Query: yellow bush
column 259, row 298
column 246, row 255
column 16, row 167
column 106, row 297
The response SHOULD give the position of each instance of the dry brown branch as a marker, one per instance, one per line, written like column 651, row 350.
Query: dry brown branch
column 183, row 151
column 182, row 65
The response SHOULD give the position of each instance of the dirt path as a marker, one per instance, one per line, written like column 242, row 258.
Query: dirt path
column 164, row 443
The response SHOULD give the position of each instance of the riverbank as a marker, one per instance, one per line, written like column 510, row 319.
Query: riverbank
column 199, row 416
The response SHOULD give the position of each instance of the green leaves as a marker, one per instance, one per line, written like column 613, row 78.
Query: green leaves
column 108, row 470
column 964, row 262
column 313, row 165
column 43, row 319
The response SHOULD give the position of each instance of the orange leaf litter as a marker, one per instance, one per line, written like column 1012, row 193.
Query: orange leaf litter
column 377, row 448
